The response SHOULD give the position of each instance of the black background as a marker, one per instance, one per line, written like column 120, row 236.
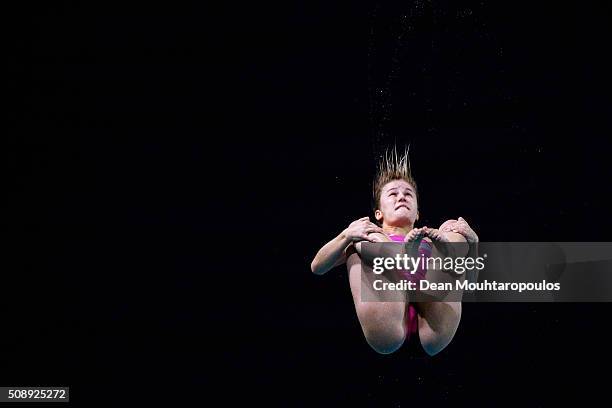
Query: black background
column 173, row 168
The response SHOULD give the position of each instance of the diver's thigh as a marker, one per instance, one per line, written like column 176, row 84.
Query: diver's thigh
column 382, row 323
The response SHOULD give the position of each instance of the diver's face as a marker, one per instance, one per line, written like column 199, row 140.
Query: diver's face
column 398, row 204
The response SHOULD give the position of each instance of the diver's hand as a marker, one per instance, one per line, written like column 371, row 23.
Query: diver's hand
column 460, row 226
column 361, row 229
column 415, row 234
column 373, row 237
column 436, row 235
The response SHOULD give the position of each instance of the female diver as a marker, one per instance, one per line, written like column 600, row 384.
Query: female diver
column 387, row 325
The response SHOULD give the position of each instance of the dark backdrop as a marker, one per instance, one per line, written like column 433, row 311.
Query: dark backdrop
column 174, row 168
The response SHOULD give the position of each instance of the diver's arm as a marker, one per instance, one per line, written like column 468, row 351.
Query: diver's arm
column 333, row 253
column 460, row 247
column 330, row 255
column 461, row 226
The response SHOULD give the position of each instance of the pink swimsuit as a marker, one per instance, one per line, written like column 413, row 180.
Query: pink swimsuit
column 411, row 316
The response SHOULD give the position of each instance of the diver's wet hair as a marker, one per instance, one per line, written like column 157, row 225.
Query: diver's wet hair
column 391, row 166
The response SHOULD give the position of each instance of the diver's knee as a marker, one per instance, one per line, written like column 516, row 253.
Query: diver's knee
column 433, row 343
column 385, row 342
column 432, row 348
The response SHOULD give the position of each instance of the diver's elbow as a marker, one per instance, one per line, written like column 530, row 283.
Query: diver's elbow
column 316, row 267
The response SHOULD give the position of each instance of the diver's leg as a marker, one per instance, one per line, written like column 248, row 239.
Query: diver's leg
column 438, row 323
column 382, row 322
